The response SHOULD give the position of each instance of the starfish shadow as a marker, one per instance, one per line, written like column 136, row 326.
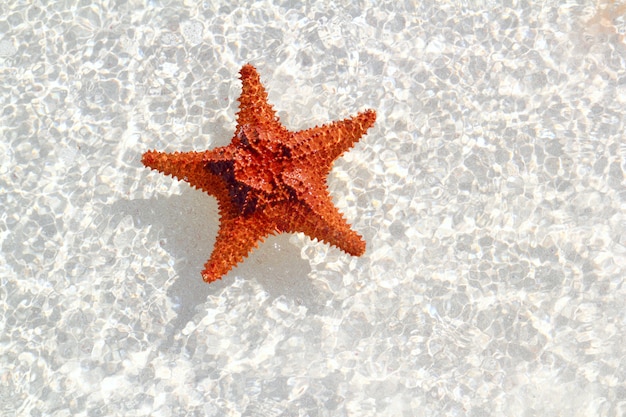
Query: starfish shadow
column 187, row 225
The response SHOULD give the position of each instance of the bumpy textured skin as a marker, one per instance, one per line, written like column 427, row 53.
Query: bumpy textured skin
column 268, row 180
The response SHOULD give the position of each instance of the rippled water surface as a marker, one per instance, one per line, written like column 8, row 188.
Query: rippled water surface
column 491, row 194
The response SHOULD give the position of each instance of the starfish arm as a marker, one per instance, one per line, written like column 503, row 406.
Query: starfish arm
column 326, row 224
column 186, row 166
column 236, row 237
column 314, row 214
column 254, row 110
column 331, row 140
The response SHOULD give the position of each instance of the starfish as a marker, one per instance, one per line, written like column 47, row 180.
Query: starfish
column 268, row 180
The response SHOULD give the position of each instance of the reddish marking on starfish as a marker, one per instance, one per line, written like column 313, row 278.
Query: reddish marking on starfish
column 268, row 180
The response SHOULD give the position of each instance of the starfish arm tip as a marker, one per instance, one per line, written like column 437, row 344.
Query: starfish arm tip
column 148, row 157
column 360, row 248
column 209, row 277
column 214, row 271
column 247, row 71
column 354, row 245
column 367, row 118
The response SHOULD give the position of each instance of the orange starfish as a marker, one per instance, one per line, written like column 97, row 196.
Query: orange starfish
column 268, row 180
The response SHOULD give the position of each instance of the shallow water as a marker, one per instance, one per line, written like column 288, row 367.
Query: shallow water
column 490, row 193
